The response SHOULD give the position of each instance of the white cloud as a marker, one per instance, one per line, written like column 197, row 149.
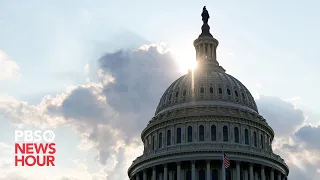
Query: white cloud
column 8, row 68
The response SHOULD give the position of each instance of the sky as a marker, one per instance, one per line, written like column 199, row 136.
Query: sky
column 94, row 71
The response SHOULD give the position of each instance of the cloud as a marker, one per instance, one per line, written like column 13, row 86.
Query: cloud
column 8, row 68
column 279, row 114
column 310, row 136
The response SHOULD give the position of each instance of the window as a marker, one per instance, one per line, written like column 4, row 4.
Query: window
column 177, row 94
column 160, row 140
column 236, row 93
column 178, row 135
column 201, row 90
column 262, row 142
column 215, row 174
column 220, row 90
column 270, row 142
column 213, row 133
column 170, row 96
column 188, row 175
column 255, row 139
column 246, row 136
column 243, row 96
column 184, row 92
column 225, row 133
column 236, row 135
column 228, row 174
column 189, row 134
column 202, row 175
column 168, row 137
column 211, row 90
column 229, row 92
column 201, row 133
column 153, row 142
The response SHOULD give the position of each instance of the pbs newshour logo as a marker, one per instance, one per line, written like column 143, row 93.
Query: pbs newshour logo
column 34, row 148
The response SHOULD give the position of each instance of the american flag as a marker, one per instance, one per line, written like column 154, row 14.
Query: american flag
column 226, row 161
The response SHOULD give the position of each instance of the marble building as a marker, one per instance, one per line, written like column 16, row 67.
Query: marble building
column 202, row 115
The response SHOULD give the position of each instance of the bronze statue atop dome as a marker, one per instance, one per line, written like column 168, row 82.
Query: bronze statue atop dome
column 205, row 15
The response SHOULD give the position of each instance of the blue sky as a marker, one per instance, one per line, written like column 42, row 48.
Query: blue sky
column 51, row 48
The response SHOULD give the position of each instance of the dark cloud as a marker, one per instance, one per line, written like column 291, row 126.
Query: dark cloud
column 141, row 77
column 83, row 105
column 120, row 109
column 281, row 115
column 310, row 136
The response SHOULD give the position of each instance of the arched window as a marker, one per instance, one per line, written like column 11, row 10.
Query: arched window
column 160, row 140
column 225, row 133
column 178, row 135
column 236, row 92
column 211, row 90
column 246, row 136
column 262, row 141
column 214, row 174
column 213, row 133
column 201, row 133
column 255, row 139
column 169, row 137
column 201, row 90
column 189, row 134
column 153, row 142
column 177, row 94
column 184, row 92
column 188, row 175
column 229, row 92
column 202, row 175
column 220, row 90
column 236, row 135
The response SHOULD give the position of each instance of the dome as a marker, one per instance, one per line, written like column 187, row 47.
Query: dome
column 206, row 88
column 203, row 118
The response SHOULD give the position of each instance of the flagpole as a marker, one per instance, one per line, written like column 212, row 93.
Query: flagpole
column 223, row 168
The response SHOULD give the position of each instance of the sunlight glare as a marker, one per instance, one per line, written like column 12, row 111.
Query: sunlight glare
column 185, row 57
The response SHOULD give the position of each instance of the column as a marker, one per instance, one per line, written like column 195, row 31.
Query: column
column 208, row 169
column 283, row 177
column 144, row 175
column 161, row 176
column 154, row 173
column 165, row 172
column 178, row 171
column 170, row 175
column 263, row 176
column 271, row 174
column 246, row 176
column 251, row 171
column 137, row 176
column 238, row 170
column 256, row 177
column 193, row 170
column 279, row 176
column 234, row 174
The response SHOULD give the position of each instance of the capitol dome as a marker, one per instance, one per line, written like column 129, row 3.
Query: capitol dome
column 201, row 118
column 206, row 88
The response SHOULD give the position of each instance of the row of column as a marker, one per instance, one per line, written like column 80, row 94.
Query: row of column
column 247, row 176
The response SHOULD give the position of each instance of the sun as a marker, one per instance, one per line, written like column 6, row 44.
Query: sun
column 185, row 58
